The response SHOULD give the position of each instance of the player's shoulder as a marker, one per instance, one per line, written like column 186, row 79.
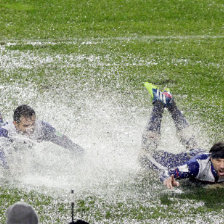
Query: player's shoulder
column 5, row 128
column 45, row 126
column 200, row 157
column 197, row 162
column 3, row 132
column 203, row 156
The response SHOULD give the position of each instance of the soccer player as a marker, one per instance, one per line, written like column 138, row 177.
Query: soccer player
column 194, row 163
column 26, row 127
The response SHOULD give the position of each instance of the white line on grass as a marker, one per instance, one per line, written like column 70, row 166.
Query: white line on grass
column 90, row 40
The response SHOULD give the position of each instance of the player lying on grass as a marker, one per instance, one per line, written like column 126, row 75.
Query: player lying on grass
column 25, row 128
column 194, row 163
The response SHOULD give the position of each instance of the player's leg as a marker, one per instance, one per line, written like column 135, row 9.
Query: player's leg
column 149, row 157
column 151, row 133
column 184, row 132
column 183, row 128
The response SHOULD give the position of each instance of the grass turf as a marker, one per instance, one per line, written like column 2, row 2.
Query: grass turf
column 118, row 45
column 68, row 19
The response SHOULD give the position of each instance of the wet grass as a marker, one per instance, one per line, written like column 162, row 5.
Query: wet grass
column 69, row 19
column 192, row 68
column 116, row 46
column 195, row 203
column 47, row 207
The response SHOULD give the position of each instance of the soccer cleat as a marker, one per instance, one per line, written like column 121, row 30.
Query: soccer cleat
column 165, row 97
column 169, row 97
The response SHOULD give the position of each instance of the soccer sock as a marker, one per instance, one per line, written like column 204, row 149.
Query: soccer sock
column 179, row 119
column 156, row 117
column 183, row 128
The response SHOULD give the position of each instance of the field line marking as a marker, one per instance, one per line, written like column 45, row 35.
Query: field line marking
column 91, row 40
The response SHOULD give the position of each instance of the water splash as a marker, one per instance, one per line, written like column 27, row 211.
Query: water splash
column 107, row 123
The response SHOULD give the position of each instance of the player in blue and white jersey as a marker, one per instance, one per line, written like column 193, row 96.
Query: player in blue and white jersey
column 25, row 129
column 194, row 163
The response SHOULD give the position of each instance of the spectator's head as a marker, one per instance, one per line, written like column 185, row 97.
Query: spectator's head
column 24, row 119
column 21, row 213
column 217, row 158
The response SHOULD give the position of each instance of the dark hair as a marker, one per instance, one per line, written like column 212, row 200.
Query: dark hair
column 23, row 110
column 217, row 150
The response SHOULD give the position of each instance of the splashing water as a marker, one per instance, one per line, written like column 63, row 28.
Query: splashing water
column 109, row 131
column 107, row 124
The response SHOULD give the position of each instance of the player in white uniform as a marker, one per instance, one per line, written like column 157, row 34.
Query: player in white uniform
column 26, row 127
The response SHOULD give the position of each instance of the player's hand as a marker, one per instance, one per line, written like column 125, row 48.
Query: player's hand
column 170, row 182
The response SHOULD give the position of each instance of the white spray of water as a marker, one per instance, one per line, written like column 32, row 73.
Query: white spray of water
column 109, row 131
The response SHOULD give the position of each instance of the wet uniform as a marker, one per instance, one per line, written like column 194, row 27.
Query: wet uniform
column 193, row 164
column 198, row 167
column 42, row 132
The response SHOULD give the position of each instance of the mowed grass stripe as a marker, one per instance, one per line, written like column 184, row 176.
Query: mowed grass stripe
column 177, row 63
column 102, row 39
column 71, row 18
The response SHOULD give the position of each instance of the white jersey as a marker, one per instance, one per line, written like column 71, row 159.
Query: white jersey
column 43, row 131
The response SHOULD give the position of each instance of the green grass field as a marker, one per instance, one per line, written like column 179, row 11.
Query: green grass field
column 83, row 55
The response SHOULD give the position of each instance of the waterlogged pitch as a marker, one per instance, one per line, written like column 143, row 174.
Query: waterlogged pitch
column 96, row 97
column 89, row 85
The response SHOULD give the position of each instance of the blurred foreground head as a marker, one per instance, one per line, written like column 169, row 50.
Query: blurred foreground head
column 21, row 213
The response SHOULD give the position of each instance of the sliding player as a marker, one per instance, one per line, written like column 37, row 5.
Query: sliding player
column 26, row 127
column 194, row 163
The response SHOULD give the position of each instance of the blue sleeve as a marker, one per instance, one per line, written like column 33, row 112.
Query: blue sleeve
column 188, row 170
column 193, row 167
column 3, row 132
column 48, row 131
column 50, row 134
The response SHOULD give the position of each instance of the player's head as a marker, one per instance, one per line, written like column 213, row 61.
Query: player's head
column 24, row 119
column 21, row 212
column 217, row 157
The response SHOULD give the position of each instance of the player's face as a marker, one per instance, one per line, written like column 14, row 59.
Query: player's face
column 219, row 166
column 26, row 125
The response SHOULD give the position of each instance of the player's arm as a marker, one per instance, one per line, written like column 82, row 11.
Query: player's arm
column 65, row 142
column 187, row 170
column 3, row 161
column 50, row 134
column 3, row 142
